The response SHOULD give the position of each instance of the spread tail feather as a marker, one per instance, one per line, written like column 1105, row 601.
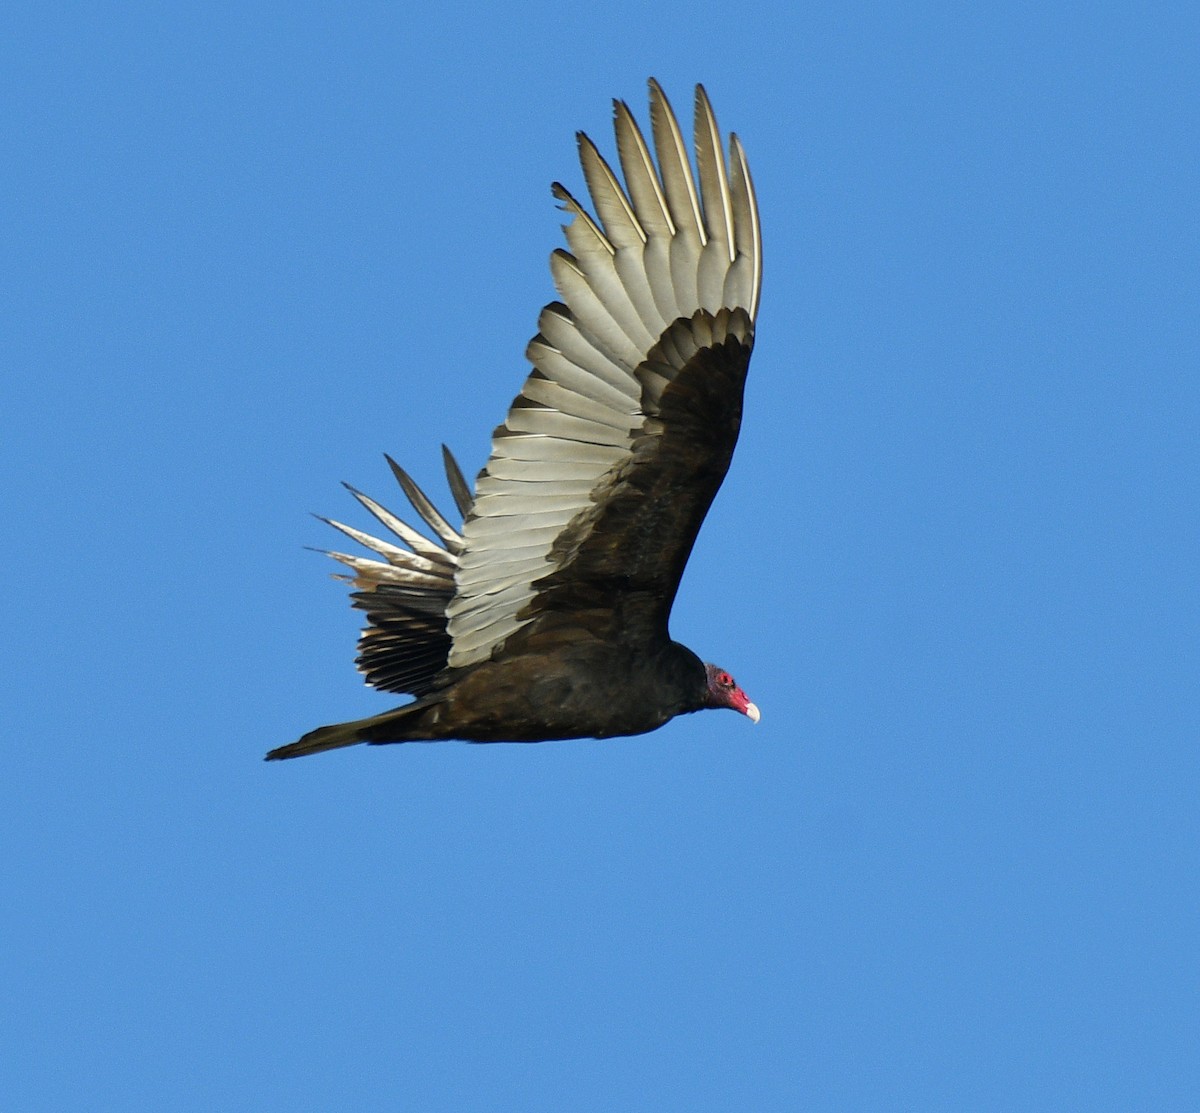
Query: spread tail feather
column 388, row 727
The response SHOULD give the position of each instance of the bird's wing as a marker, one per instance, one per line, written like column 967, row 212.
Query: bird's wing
column 602, row 473
column 404, row 644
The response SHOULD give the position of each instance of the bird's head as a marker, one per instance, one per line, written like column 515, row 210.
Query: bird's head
column 723, row 691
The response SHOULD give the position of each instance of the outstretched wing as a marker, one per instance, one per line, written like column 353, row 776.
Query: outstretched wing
column 609, row 458
column 405, row 644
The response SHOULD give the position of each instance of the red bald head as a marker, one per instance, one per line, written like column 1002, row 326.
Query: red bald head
column 723, row 691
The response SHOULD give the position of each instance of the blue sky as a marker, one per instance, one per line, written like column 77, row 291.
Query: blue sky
column 251, row 248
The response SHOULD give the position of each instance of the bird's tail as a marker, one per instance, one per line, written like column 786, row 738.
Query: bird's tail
column 400, row 725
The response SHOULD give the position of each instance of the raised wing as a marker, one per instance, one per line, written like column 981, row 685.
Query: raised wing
column 609, row 458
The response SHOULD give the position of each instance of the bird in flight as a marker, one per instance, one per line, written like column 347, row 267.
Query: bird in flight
column 545, row 614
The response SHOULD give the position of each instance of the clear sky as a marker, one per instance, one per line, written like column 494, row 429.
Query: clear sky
column 250, row 248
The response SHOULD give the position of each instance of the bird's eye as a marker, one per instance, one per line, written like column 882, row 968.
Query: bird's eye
column 726, row 680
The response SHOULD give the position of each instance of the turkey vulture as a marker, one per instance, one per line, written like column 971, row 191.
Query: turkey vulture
column 545, row 615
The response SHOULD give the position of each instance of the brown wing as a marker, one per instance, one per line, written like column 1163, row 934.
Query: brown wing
column 602, row 472
column 404, row 645
column 619, row 561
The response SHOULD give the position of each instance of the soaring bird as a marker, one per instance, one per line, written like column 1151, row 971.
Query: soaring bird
column 544, row 616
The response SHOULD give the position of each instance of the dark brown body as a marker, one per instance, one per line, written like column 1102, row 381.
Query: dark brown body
column 546, row 696
column 537, row 697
